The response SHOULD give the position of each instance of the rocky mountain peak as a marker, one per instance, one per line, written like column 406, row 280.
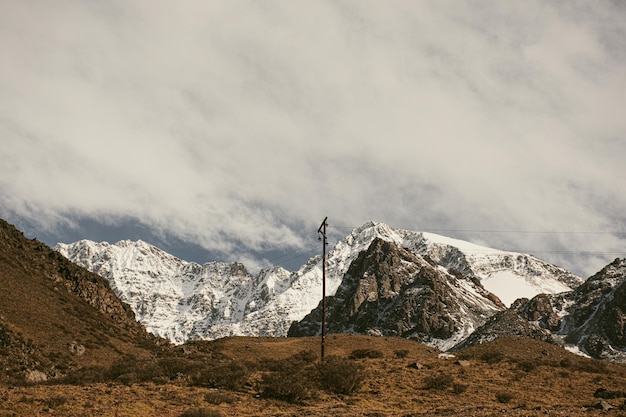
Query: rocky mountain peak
column 389, row 290
column 590, row 318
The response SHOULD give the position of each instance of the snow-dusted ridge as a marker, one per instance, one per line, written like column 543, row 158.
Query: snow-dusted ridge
column 182, row 300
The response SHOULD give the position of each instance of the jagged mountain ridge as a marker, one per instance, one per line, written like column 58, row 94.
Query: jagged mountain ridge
column 591, row 319
column 391, row 291
column 183, row 300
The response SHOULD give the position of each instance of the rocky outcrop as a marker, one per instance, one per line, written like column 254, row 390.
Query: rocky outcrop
column 56, row 316
column 506, row 323
column 391, row 291
column 592, row 317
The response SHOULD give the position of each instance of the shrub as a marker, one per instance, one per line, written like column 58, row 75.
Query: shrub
column 527, row 366
column 292, row 387
column 366, row 353
column 440, row 382
column 504, row 397
column 492, row 357
column 217, row 398
column 55, row 401
column 340, row 375
column 87, row 375
column 459, row 388
column 401, row 353
column 593, row 366
column 202, row 412
column 229, row 375
column 293, row 363
column 172, row 368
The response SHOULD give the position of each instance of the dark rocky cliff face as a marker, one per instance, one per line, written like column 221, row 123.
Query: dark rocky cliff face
column 591, row 317
column 391, row 291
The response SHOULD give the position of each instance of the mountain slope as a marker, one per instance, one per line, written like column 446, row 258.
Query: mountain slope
column 182, row 300
column 56, row 316
column 590, row 319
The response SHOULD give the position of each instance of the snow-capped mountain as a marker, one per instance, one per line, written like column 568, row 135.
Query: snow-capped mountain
column 591, row 318
column 391, row 291
column 183, row 300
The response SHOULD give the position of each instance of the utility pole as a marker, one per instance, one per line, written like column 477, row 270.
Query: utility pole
column 322, row 236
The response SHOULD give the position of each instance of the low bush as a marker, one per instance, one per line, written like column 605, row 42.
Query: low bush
column 492, row 357
column 292, row 387
column 527, row 366
column 340, row 375
column 504, row 397
column 56, row 401
column 218, row 397
column 458, row 388
column 226, row 375
column 202, row 412
column 401, row 353
column 295, row 362
column 85, row 376
column 593, row 366
column 366, row 353
column 439, row 382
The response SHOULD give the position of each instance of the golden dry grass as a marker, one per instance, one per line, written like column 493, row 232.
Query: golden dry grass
column 512, row 377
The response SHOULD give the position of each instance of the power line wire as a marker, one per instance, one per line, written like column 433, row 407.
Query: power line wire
column 503, row 231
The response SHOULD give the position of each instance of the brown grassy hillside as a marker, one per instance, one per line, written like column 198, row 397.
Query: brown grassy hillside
column 513, row 377
column 56, row 316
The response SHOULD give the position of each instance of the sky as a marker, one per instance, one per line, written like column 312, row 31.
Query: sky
column 228, row 130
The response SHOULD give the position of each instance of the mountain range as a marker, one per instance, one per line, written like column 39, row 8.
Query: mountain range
column 66, row 326
column 380, row 280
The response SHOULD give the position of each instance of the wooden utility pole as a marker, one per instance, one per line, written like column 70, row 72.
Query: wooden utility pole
column 322, row 236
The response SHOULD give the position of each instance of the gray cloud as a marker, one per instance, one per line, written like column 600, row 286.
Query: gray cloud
column 238, row 126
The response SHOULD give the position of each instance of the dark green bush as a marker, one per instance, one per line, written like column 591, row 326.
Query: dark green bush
column 87, row 375
column 295, row 362
column 566, row 363
column 172, row 368
column 504, row 397
column 293, row 387
column 55, row 401
column 527, row 366
column 459, row 388
column 492, row 357
column 202, row 412
column 401, row 353
column 340, row 375
column 366, row 353
column 226, row 375
column 440, row 382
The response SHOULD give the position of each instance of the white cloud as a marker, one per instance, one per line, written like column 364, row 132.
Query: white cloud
column 238, row 125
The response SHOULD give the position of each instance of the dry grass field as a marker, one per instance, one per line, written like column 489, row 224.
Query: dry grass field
column 397, row 377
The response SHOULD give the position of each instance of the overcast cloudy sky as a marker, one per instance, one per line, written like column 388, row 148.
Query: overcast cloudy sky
column 227, row 130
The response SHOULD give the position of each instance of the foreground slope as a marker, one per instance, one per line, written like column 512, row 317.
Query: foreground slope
column 56, row 316
column 183, row 300
column 512, row 377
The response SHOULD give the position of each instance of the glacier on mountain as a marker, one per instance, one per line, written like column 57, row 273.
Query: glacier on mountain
column 182, row 300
